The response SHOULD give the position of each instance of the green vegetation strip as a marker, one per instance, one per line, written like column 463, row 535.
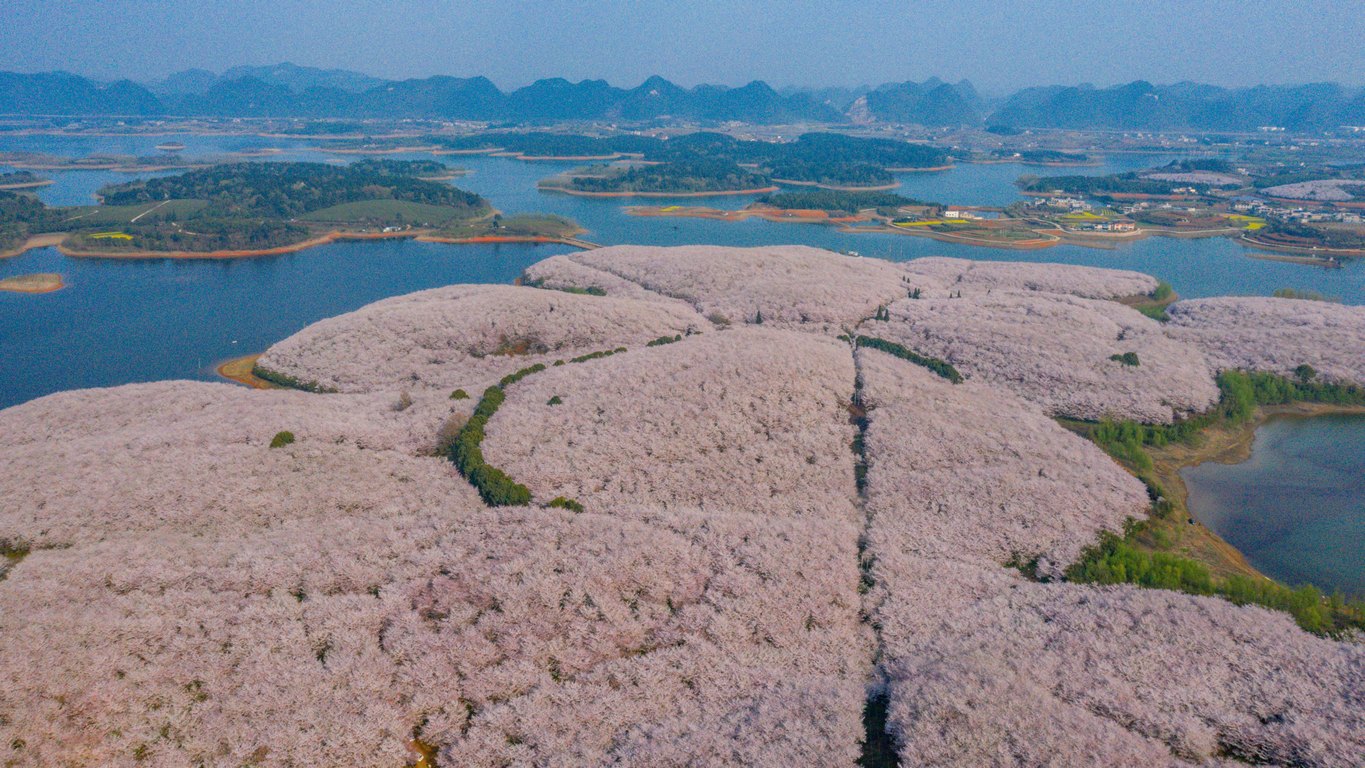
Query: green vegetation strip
column 1122, row 560
column 289, row 382
column 496, row 487
column 940, row 367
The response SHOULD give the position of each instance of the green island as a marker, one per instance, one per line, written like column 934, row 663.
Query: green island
column 695, row 176
column 246, row 209
column 1051, row 157
column 840, row 201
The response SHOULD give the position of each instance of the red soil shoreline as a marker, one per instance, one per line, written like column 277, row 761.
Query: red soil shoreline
column 577, row 193
column 425, row 236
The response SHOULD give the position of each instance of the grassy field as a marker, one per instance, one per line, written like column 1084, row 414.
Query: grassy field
column 387, row 212
column 113, row 215
column 524, row 225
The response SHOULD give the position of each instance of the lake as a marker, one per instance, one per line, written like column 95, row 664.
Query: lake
column 1295, row 507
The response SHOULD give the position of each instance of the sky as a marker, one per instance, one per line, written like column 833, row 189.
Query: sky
column 999, row 45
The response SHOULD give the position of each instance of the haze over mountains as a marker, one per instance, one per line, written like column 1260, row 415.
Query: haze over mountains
column 288, row 90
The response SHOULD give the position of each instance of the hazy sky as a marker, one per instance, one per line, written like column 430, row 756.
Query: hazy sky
column 998, row 45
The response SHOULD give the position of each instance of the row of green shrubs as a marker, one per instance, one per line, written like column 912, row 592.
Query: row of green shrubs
column 495, row 487
column 1120, row 560
column 1240, row 393
column 595, row 355
column 289, row 382
column 940, row 367
column 591, row 290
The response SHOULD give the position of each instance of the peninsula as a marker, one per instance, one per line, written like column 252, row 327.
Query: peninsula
column 256, row 209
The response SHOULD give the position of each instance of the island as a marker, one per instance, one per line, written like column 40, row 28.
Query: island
column 1044, row 157
column 254, row 209
column 681, row 178
column 41, row 282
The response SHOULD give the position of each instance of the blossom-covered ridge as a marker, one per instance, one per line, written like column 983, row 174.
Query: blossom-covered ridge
column 1275, row 335
column 1087, row 282
column 983, row 667
column 733, row 535
column 1065, row 353
column 465, row 336
column 787, row 285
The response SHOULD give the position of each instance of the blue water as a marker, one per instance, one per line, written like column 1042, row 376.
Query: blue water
column 125, row 321
column 1295, row 507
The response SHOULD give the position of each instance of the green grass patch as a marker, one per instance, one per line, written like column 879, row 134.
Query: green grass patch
column 113, row 215
column 390, row 212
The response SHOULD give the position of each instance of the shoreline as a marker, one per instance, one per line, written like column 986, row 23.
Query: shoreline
column 1045, row 239
column 777, row 215
column 1224, row 445
column 239, row 370
column 915, row 169
column 27, row 185
column 1302, row 251
column 723, row 193
column 34, row 241
column 424, row 236
column 837, row 188
column 1038, row 164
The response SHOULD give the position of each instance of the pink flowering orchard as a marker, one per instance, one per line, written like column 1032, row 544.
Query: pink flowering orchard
column 742, row 527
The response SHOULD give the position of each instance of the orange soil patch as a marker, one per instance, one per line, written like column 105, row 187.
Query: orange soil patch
column 240, row 370
column 577, row 193
column 41, row 282
column 37, row 241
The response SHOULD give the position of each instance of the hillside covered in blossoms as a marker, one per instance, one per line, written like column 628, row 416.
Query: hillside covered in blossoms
column 658, row 507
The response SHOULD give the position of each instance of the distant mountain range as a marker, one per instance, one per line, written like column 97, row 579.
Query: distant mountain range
column 288, row 90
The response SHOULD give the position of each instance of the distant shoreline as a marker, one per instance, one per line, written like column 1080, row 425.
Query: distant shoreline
column 423, row 236
column 27, row 184
column 838, row 187
column 917, row 169
column 722, row 193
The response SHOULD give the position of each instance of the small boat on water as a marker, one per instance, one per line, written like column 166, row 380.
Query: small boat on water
column 171, row 146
